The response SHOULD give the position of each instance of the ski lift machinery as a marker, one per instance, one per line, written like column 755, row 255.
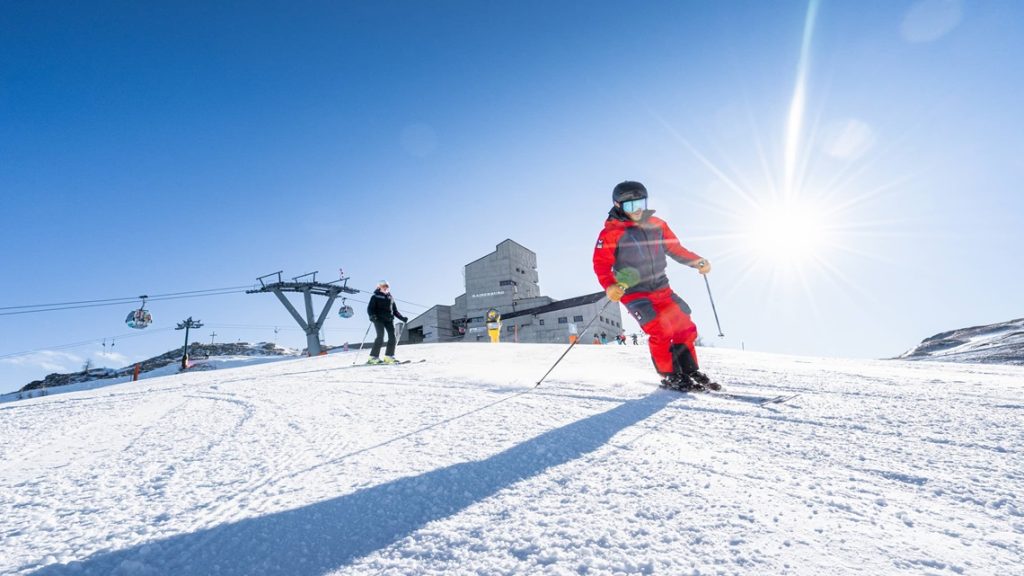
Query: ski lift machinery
column 311, row 324
column 140, row 318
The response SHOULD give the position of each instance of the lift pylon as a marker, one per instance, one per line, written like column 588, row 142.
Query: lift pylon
column 310, row 325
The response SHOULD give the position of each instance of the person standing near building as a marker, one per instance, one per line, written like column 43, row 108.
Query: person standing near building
column 630, row 260
column 382, row 311
column 494, row 325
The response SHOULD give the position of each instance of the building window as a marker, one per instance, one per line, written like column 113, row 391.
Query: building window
column 563, row 319
column 510, row 328
column 577, row 318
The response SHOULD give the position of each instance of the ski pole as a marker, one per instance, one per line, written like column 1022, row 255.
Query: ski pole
column 573, row 343
column 363, row 343
column 720, row 335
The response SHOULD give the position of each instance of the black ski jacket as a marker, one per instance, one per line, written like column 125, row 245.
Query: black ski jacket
column 382, row 308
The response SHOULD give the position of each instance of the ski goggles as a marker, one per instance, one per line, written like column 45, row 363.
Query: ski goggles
column 634, row 205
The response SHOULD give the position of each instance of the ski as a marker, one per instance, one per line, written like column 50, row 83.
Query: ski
column 780, row 399
column 761, row 401
column 399, row 363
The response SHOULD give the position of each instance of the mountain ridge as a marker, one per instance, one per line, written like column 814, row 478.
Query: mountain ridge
column 196, row 350
column 999, row 343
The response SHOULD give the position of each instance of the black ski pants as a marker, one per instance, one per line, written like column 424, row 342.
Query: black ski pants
column 381, row 327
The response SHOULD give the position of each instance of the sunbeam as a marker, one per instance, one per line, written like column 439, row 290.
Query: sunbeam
column 797, row 106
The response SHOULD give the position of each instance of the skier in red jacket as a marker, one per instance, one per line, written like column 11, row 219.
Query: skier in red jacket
column 629, row 261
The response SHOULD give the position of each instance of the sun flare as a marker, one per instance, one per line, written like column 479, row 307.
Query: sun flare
column 792, row 232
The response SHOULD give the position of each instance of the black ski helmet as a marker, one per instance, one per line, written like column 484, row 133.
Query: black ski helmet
column 628, row 190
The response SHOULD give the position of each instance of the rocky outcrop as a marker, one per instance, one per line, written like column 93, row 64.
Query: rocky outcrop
column 196, row 350
column 1001, row 343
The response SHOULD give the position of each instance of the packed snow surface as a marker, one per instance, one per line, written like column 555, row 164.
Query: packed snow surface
column 461, row 465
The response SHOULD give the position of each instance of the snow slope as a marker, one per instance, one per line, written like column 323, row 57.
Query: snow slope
column 459, row 465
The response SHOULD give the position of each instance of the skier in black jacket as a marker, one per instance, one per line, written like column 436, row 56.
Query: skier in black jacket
column 383, row 311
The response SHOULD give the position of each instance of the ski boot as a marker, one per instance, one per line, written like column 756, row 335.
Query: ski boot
column 702, row 379
column 374, row 360
column 389, row 360
column 680, row 382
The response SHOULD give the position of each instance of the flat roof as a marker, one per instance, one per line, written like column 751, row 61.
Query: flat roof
column 496, row 250
column 560, row 305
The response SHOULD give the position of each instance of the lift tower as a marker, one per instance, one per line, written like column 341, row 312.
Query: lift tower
column 310, row 325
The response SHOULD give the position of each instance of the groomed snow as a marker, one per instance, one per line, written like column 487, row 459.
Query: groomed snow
column 460, row 466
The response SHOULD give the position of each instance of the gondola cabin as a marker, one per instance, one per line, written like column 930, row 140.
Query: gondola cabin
column 140, row 318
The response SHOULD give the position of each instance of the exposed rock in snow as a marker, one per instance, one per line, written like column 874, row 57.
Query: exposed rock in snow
column 196, row 351
column 1001, row 343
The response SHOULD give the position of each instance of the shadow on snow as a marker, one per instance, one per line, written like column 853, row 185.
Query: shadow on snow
column 328, row 535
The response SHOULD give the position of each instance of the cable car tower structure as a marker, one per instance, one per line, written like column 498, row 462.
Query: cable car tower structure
column 311, row 325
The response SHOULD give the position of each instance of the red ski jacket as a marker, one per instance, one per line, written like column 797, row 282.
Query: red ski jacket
column 634, row 252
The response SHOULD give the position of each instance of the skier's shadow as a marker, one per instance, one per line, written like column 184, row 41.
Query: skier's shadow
column 328, row 535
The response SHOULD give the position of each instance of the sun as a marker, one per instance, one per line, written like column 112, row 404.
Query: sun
column 787, row 232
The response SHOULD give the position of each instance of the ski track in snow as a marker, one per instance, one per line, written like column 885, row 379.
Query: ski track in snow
column 461, row 466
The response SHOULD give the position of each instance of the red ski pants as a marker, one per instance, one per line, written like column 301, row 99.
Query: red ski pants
column 665, row 317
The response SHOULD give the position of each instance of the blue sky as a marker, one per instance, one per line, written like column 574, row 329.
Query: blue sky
column 852, row 170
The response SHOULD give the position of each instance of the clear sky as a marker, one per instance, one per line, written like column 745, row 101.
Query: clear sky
column 851, row 169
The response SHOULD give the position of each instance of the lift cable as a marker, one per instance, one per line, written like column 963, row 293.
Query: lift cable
column 83, row 343
column 121, row 302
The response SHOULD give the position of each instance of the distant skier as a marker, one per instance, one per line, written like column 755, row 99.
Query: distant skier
column 630, row 260
column 634, row 339
column 382, row 312
column 494, row 325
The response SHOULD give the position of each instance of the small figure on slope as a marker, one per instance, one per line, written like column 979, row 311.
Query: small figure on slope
column 494, row 325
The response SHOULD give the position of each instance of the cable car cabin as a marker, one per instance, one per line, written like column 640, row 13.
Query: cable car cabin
column 138, row 319
column 346, row 312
